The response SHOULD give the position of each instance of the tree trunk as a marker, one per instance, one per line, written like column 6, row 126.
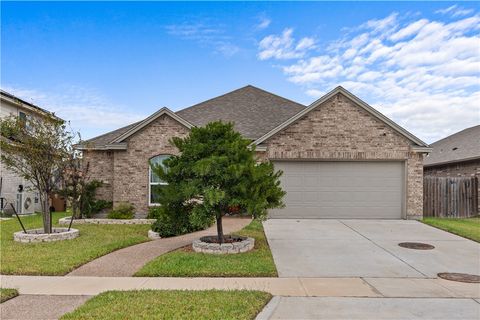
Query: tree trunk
column 46, row 215
column 219, row 228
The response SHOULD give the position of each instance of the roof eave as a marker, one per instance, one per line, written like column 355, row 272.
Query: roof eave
column 443, row 163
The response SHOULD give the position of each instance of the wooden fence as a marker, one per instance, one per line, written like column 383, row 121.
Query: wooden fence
column 450, row 196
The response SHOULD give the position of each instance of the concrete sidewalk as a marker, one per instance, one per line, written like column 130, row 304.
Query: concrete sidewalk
column 295, row 287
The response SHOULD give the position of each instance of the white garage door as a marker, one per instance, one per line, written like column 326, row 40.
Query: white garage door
column 358, row 190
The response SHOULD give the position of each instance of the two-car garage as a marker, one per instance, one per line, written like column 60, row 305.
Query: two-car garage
column 342, row 189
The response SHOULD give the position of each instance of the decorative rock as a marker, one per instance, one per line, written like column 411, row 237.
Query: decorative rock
column 245, row 245
column 66, row 221
column 37, row 235
column 153, row 235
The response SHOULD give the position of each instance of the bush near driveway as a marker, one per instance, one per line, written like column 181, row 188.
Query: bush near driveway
column 61, row 257
column 7, row 294
column 172, row 304
column 186, row 263
column 468, row 228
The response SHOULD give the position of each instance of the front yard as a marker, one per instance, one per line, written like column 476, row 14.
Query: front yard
column 467, row 228
column 61, row 257
column 186, row 263
column 172, row 304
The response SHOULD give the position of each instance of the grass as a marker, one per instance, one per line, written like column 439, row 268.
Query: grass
column 467, row 228
column 61, row 257
column 186, row 263
column 172, row 304
column 7, row 294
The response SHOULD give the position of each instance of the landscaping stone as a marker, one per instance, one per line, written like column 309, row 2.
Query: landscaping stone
column 153, row 235
column 66, row 221
column 224, row 248
column 37, row 235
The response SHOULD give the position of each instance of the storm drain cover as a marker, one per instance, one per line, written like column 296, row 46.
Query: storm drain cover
column 460, row 277
column 416, row 245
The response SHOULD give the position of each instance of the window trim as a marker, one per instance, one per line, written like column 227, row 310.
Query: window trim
column 150, row 183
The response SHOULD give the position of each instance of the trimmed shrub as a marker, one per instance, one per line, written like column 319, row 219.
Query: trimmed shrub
column 123, row 210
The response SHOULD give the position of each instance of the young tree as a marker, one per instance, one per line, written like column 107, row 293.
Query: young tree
column 37, row 150
column 216, row 171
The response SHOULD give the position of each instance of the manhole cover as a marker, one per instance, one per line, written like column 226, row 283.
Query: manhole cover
column 416, row 245
column 460, row 277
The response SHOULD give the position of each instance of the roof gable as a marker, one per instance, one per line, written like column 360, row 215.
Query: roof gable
column 358, row 102
column 142, row 124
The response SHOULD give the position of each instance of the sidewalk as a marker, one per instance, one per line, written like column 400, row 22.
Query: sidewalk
column 295, row 287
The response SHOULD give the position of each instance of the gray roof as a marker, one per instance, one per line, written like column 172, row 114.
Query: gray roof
column 461, row 146
column 253, row 111
column 12, row 98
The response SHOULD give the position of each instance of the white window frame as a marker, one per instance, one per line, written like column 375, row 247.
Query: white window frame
column 150, row 183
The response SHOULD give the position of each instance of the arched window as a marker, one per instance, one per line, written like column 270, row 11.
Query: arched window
column 155, row 183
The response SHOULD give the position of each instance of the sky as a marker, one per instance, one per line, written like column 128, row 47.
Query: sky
column 103, row 65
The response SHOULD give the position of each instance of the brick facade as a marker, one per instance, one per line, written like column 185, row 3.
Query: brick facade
column 340, row 130
column 336, row 130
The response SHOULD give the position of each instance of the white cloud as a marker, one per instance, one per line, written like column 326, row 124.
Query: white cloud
column 87, row 111
column 424, row 74
column 264, row 23
column 284, row 46
column 455, row 11
column 210, row 36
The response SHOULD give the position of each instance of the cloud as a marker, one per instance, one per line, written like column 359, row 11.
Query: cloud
column 284, row 46
column 455, row 11
column 263, row 24
column 206, row 36
column 88, row 111
column 424, row 74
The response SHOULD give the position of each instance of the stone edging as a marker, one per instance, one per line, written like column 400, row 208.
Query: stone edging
column 37, row 235
column 66, row 221
column 153, row 235
column 224, row 248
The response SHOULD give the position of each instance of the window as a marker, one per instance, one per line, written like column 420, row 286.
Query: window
column 155, row 183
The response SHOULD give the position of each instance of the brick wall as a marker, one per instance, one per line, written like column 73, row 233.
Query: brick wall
column 101, row 168
column 131, row 167
column 340, row 130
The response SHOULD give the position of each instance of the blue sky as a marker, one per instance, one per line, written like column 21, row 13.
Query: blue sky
column 107, row 64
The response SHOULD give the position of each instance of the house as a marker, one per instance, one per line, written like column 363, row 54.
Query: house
column 457, row 155
column 15, row 189
column 340, row 157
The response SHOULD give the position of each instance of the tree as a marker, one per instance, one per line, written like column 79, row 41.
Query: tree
column 37, row 150
column 216, row 171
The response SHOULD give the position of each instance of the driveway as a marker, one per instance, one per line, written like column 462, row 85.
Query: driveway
column 366, row 248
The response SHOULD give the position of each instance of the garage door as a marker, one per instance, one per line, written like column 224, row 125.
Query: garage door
column 361, row 190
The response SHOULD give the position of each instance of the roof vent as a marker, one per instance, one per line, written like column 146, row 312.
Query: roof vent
column 454, row 148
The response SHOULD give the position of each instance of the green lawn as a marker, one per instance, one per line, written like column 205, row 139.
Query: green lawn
column 467, row 228
column 61, row 257
column 7, row 294
column 186, row 263
column 172, row 304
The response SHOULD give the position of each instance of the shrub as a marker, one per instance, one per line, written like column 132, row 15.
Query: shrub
column 123, row 210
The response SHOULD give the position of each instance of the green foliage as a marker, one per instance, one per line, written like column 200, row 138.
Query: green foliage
column 123, row 210
column 216, row 171
column 88, row 204
column 36, row 149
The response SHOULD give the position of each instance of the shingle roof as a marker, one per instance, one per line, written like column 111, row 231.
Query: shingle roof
column 461, row 146
column 253, row 111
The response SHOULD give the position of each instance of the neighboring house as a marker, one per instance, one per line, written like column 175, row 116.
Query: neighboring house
column 457, row 155
column 340, row 157
column 15, row 189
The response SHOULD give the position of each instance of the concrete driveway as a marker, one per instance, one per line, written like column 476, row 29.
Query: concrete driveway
column 366, row 248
